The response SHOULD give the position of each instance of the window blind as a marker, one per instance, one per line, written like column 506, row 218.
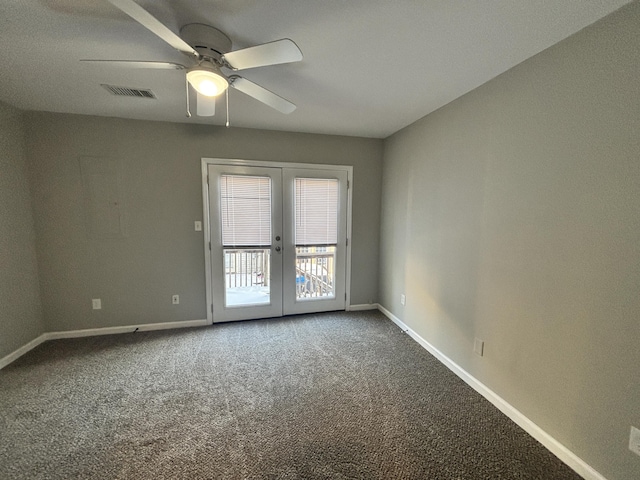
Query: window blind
column 245, row 204
column 316, row 211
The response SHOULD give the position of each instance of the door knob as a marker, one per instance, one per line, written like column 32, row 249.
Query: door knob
column 278, row 238
column 278, row 249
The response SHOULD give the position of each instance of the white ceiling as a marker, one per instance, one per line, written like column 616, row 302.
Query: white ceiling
column 370, row 67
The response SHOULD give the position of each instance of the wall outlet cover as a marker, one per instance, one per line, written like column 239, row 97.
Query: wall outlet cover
column 403, row 299
column 96, row 303
column 175, row 299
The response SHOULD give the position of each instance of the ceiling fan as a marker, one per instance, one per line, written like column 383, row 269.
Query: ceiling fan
column 210, row 51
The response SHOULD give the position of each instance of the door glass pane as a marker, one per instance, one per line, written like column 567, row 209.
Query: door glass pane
column 247, row 277
column 315, row 272
column 245, row 204
column 316, row 236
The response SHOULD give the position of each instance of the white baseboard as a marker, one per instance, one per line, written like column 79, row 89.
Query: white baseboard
column 90, row 332
column 559, row 450
column 363, row 306
column 22, row 350
column 97, row 331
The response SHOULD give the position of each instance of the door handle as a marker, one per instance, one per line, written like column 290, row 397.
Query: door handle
column 278, row 249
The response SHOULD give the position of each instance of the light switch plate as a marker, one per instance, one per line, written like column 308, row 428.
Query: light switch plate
column 478, row 347
column 634, row 441
column 96, row 303
column 198, row 225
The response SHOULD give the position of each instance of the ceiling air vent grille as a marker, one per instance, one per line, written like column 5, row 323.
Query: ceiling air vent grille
column 129, row 92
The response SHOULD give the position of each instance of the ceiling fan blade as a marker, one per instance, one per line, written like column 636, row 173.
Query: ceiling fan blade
column 273, row 53
column 147, row 20
column 261, row 94
column 139, row 64
column 205, row 106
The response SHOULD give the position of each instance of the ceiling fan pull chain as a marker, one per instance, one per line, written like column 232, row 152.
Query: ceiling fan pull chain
column 186, row 84
column 227, row 97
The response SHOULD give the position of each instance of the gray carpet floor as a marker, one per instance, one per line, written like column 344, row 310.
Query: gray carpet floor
column 340, row 395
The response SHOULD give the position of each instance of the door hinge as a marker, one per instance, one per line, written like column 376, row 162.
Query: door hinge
column 347, row 242
column 347, row 184
column 345, row 296
column 209, row 245
column 207, row 179
column 212, row 308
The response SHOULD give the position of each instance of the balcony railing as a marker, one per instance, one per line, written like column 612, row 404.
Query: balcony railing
column 315, row 271
column 315, row 275
column 247, row 268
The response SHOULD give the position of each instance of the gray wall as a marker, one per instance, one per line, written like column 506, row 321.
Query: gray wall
column 159, row 196
column 20, row 310
column 513, row 215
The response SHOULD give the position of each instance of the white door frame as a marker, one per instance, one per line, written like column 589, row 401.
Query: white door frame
column 259, row 163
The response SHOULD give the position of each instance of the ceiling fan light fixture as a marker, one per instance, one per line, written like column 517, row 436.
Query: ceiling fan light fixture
column 208, row 81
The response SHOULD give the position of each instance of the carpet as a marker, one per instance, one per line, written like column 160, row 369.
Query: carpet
column 343, row 395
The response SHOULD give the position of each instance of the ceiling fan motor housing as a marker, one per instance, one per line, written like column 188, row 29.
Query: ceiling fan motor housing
column 208, row 41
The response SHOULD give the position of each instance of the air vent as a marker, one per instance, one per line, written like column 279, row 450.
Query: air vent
column 129, row 92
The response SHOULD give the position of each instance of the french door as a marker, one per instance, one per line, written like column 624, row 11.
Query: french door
column 278, row 240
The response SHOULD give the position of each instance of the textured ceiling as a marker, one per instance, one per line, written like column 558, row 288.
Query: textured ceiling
column 370, row 67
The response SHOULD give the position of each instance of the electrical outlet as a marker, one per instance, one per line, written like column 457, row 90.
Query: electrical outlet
column 175, row 299
column 96, row 303
column 634, row 441
column 198, row 225
column 478, row 347
column 403, row 299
